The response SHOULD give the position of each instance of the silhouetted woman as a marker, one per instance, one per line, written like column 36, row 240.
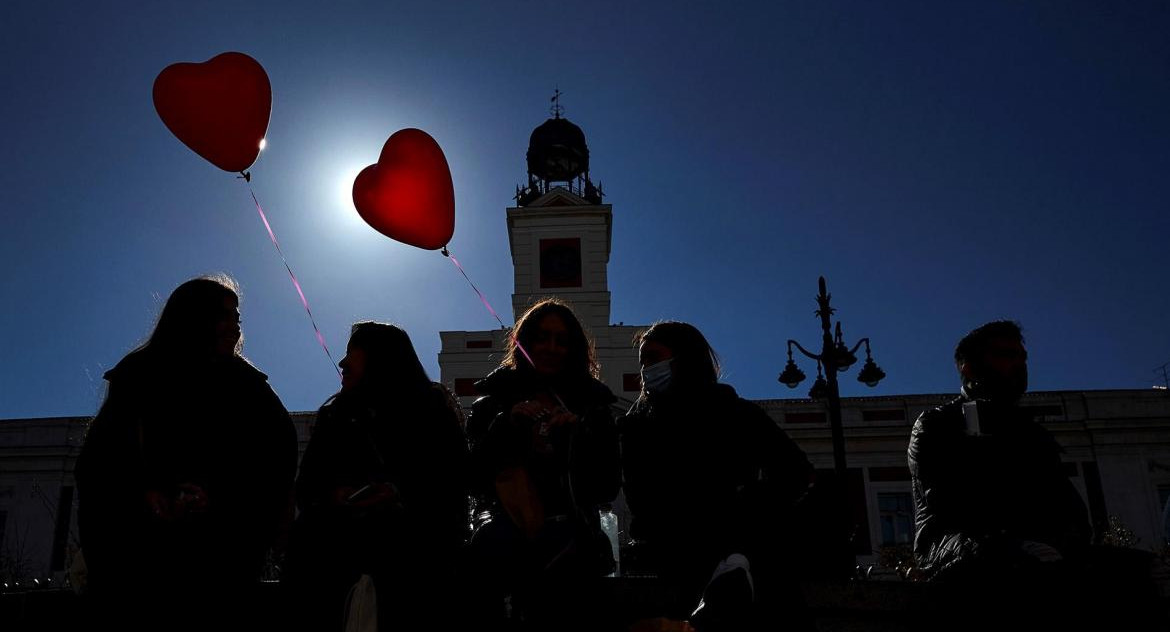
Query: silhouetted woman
column 544, row 456
column 186, row 473
column 710, row 479
column 381, row 487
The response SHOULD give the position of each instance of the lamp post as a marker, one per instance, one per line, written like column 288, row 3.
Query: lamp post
column 835, row 356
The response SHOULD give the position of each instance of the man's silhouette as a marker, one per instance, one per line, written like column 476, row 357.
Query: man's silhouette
column 989, row 489
column 998, row 524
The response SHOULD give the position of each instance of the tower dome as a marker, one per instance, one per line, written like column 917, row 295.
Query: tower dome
column 558, row 158
column 557, row 151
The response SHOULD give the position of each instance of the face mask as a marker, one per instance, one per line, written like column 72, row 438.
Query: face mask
column 656, row 377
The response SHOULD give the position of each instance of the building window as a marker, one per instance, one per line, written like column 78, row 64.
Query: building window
column 896, row 515
column 560, row 262
column 479, row 344
column 886, row 414
column 1045, row 412
column 632, row 382
column 465, row 387
column 804, row 418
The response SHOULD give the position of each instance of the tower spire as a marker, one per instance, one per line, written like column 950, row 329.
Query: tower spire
column 557, row 109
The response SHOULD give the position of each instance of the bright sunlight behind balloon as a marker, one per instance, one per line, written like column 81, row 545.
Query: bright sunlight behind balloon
column 263, row 143
column 345, row 193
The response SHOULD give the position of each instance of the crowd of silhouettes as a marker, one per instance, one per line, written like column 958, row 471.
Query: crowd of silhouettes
column 188, row 479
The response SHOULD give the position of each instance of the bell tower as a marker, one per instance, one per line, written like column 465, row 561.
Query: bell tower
column 559, row 231
column 559, row 235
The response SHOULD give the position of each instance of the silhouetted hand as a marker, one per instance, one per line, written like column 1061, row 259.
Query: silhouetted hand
column 561, row 417
column 530, row 410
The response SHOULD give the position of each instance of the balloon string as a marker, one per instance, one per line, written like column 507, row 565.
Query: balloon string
column 447, row 253
column 512, row 334
column 296, row 284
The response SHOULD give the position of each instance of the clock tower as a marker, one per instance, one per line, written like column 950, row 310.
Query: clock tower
column 559, row 235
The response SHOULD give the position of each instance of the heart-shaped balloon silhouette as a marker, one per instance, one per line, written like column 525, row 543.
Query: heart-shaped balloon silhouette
column 408, row 195
column 218, row 108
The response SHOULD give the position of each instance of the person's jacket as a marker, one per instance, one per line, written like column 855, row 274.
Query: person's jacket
column 578, row 467
column 703, row 469
column 412, row 441
column 978, row 497
column 216, row 424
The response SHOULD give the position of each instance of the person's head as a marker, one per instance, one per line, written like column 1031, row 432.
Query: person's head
column 992, row 361
column 200, row 318
column 380, row 356
column 550, row 332
column 674, row 354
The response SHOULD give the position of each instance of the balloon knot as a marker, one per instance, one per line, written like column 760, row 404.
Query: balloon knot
column 445, row 252
column 247, row 176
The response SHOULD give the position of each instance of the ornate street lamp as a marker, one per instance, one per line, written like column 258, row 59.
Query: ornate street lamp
column 835, row 356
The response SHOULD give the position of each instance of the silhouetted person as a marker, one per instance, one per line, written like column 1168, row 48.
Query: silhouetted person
column 710, row 479
column 545, row 455
column 381, row 489
column 186, row 473
column 996, row 517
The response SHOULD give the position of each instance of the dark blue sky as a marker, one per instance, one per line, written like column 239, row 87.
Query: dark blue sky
column 942, row 164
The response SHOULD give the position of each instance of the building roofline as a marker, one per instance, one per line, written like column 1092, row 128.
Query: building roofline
column 770, row 401
column 952, row 395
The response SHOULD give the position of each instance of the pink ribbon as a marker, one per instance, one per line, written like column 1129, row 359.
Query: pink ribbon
column 488, row 305
column 296, row 284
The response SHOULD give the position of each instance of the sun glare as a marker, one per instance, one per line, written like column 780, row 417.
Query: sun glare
column 263, row 143
column 345, row 190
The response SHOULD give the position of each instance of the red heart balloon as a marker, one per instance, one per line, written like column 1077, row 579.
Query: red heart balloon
column 218, row 108
column 408, row 194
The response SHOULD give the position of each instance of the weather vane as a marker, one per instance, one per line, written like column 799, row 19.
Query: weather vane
column 557, row 109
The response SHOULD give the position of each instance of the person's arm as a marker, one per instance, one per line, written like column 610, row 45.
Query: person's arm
column 771, row 474
column 109, row 482
column 635, row 464
column 594, row 457
column 279, row 471
column 491, row 444
column 434, row 493
column 783, row 466
column 313, row 485
column 944, row 539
